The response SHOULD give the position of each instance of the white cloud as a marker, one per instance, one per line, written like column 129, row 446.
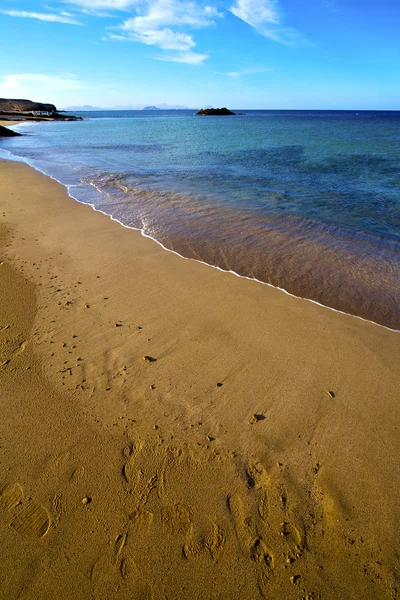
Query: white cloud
column 189, row 58
column 252, row 71
column 113, row 37
column 34, row 85
column 265, row 16
column 60, row 18
column 257, row 12
column 166, row 39
column 161, row 13
column 164, row 24
column 94, row 5
column 89, row 6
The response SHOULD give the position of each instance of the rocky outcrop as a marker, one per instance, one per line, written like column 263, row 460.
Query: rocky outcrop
column 13, row 106
column 28, row 110
column 4, row 132
column 215, row 111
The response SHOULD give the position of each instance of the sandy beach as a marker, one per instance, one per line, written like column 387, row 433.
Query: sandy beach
column 170, row 431
column 7, row 122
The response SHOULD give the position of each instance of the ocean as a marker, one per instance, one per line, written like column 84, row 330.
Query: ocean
column 307, row 201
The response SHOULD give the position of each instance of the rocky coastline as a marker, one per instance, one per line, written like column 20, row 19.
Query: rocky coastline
column 27, row 110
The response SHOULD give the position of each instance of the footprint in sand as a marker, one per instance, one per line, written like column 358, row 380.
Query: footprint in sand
column 212, row 543
column 146, row 472
column 21, row 348
column 285, row 512
column 176, row 518
column 115, row 573
column 273, row 503
column 141, row 519
column 251, row 544
column 12, row 496
column 277, row 530
column 283, row 505
column 257, row 476
column 27, row 517
column 119, row 544
column 127, row 566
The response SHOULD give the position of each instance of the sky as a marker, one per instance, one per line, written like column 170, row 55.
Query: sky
column 249, row 54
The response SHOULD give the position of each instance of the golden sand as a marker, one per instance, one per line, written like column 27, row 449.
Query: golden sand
column 169, row 431
column 6, row 123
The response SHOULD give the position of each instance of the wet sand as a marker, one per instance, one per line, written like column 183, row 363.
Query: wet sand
column 344, row 269
column 172, row 431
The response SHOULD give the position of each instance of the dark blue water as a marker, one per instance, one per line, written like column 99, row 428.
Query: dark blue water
column 305, row 200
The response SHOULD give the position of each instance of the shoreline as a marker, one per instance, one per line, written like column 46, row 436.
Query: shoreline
column 160, row 243
column 234, row 456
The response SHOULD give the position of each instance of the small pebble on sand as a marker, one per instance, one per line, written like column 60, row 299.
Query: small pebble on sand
column 149, row 359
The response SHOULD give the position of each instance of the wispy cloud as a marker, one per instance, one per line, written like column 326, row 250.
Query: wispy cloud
column 53, row 18
column 172, row 12
column 95, row 5
column 166, row 39
column 189, row 58
column 257, row 12
column 165, row 25
column 266, row 17
column 251, row 71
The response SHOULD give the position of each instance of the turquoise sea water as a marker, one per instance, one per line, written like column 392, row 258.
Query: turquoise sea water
column 308, row 201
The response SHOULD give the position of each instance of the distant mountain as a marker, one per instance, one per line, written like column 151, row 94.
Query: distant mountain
column 162, row 106
column 127, row 107
column 172, row 107
column 82, row 108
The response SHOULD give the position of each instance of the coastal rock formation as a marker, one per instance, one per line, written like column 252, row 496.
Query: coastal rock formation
column 215, row 111
column 4, row 132
column 151, row 108
column 31, row 111
column 14, row 106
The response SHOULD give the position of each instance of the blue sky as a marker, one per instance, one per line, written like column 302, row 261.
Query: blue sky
column 332, row 54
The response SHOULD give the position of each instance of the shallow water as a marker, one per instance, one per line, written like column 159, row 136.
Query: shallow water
column 305, row 200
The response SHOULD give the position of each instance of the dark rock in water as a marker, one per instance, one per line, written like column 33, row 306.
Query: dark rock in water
column 215, row 111
column 56, row 116
column 4, row 132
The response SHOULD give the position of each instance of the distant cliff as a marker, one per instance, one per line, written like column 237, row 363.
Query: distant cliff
column 7, row 105
column 29, row 110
